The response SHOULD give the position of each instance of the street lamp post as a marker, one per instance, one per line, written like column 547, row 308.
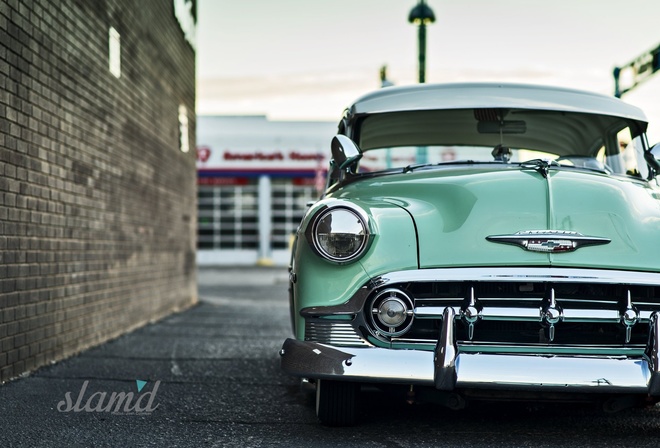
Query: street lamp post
column 421, row 15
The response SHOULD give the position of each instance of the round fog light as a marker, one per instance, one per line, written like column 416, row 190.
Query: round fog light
column 392, row 312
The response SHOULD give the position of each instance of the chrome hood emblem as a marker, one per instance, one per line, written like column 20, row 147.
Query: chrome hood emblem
column 551, row 241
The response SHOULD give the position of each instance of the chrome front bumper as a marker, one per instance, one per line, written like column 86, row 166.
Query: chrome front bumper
column 446, row 368
column 469, row 370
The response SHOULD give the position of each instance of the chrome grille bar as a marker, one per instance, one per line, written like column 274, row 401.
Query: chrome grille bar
column 334, row 333
column 518, row 274
column 530, row 314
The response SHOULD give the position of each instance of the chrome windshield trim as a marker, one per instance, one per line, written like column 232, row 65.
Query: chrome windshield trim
column 521, row 274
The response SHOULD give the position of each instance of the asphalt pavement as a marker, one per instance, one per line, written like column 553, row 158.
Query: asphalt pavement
column 196, row 378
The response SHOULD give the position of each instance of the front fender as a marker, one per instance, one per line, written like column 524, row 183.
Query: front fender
column 319, row 282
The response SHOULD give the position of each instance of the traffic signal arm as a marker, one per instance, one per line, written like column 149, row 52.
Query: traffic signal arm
column 635, row 72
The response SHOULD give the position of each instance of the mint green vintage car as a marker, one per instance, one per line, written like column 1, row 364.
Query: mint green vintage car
column 480, row 242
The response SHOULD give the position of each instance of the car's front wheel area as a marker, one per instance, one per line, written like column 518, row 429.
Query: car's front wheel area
column 336, row 402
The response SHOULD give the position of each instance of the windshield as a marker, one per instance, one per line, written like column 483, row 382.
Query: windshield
column 611, row 145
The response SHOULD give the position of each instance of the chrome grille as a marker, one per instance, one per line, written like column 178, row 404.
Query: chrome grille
column 528, row 313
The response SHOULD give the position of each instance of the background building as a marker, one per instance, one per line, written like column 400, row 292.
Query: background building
column 97, row 175
column 255, row 179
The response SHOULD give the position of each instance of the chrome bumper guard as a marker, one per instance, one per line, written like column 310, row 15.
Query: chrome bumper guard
column 446, row 368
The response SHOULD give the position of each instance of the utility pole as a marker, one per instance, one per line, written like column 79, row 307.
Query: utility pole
column 421, row 15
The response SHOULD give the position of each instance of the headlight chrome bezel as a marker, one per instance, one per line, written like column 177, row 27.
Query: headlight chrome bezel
column 321, row 248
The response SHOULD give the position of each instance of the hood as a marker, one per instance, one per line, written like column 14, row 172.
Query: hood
column 455, row 210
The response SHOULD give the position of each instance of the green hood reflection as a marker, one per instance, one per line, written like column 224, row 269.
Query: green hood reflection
column 456, row 209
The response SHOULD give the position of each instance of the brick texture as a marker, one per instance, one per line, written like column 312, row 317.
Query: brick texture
column 97, row 201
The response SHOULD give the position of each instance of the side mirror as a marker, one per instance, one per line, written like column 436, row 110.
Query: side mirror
column 655, row 150
column 345, row 153
column 652, row 157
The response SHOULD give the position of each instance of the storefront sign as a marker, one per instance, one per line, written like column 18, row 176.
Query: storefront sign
column 250, row 146
column 208, row 157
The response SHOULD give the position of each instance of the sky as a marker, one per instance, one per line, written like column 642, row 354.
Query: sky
column 309, row 59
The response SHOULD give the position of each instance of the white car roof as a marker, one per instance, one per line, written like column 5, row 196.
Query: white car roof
column 491, row 95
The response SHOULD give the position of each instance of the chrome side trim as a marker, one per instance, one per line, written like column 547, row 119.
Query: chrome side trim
column 521, row 274
column 473, row 370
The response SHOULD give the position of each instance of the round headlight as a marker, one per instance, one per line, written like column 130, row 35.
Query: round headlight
column 340, row 234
